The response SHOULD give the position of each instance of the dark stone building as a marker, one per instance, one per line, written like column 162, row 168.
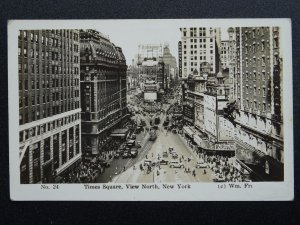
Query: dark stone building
column 103, row 90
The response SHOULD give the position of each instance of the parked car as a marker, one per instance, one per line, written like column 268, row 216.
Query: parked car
column 138, row 144
column 134, row 152
column 117, row 155
column 175, row 164
column 164, row 162
column 201, row 165
column 130, row 143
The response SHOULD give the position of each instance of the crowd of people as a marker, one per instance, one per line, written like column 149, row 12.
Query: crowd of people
column 223, row 168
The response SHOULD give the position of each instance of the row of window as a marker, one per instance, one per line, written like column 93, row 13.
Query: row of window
column 45, row 55
column 35, row 68
column 35, row 83
column 256, row 91
column 45, row 98
column 63, row 33
column 47, row 127
column 257, row 106
column 35, row 114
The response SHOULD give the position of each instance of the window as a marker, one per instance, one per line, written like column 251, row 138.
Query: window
column 254, row 90
column 264, row 92
column 31, row 36
column 25, row 52
column 263, row 60
column 276, row 42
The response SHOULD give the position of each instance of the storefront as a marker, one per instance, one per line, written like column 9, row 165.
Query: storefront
column 261, row 167
column 189, row 136
column 120, row 133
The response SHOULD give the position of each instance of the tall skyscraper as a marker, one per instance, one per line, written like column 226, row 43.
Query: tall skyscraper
column 259, row 87
column 224, row 53
column 49, row 103
column 199, row 45
column 103, row 90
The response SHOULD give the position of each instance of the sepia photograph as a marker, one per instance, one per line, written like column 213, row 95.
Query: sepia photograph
column 151, row 102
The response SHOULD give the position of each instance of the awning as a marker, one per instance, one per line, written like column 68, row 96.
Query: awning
column 188, row 131
column 119, row 133
column 198, row 140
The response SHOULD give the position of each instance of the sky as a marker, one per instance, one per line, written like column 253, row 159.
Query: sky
column 128, row 34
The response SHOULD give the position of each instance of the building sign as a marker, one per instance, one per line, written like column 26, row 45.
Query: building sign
column 210, row 114
column 199, row 116
column 150, row 96
column 225, row 130
column 244, row 155
column 225, row 146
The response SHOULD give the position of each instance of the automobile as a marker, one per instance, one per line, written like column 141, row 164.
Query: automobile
column 143, row 122
column 148, row 162
column 138, row 144
column 155, row 127
column 175, row 164
column 134, row 152
column 125, row 155
column 164, row 162
column 174, row 155
column 130, row 143
column 104, row 163
column 117, row 155
column 165, row 154
column 171, row 149
column 201, row 165
column 166, row 123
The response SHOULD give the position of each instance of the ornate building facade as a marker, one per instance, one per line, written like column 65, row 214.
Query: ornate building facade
column 103, row 90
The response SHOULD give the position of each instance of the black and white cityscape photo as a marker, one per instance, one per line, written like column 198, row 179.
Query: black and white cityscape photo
column 191, row 104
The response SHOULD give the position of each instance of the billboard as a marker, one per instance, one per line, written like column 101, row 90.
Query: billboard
column 225, row 130
column 150, row 96
column 210, row 118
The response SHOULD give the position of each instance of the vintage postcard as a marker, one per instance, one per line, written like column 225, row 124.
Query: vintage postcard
column 155, row 110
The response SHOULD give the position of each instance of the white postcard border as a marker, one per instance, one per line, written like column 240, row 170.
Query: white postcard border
column 198, row 191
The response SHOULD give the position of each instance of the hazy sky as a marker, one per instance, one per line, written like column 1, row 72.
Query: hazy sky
column 128, row 34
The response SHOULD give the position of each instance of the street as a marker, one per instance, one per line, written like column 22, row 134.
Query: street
column 166, row 174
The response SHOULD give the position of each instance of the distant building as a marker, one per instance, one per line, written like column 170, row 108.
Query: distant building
column 170, row 67
column 224, row 53
column 199, row 45
column 103, row 90
column 49, row 103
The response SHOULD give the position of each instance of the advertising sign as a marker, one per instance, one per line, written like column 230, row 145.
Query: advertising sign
column 225, row 130
column 225, row 146
column 210, row 121
column 150, row 96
